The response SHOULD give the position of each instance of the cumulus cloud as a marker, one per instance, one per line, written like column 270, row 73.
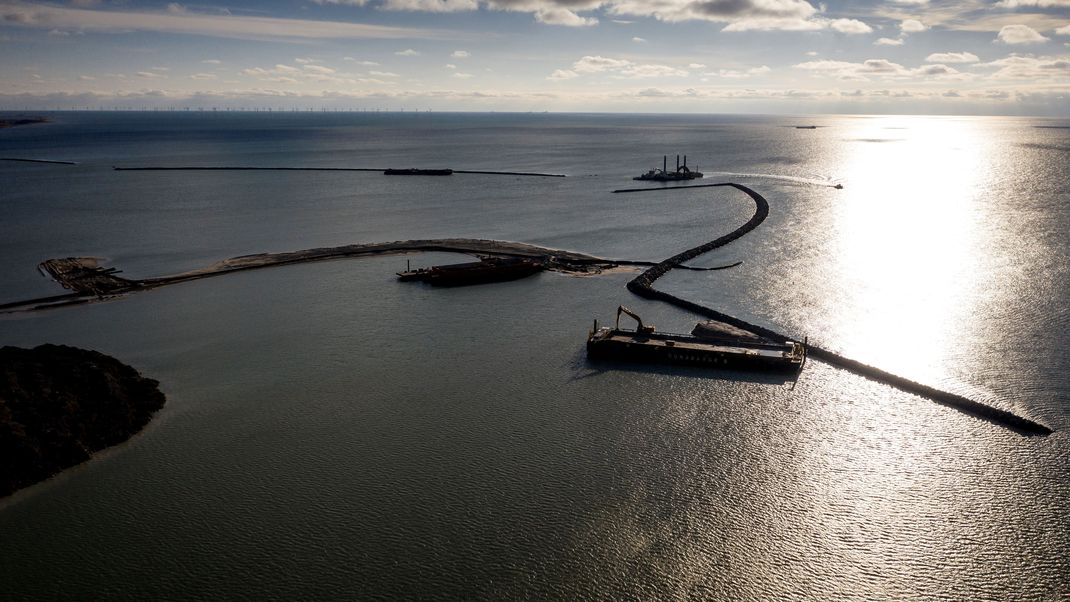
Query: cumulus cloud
column 563, row 16
column 1019, row 34
column 617, row 68
column 850, row 26
column 203, row 76
column 952, row 57
column 212, row 62
column 912, row 26
column 639, row 40
column 888, row 42
column 360, row 62
column 460, row 54
column 149, row 75
column 460, row 75
column 1063, row 31
column 407, row 52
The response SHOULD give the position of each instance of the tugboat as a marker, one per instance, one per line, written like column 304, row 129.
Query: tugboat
column 664, row 175
column 718, row 346
column 487, row 269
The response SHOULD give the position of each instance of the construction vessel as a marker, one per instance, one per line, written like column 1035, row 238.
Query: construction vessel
column 664, row 175
column 725, row 347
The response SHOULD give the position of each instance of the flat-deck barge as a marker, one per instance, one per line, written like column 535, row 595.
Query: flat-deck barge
column 721, row 350
column 488, row 269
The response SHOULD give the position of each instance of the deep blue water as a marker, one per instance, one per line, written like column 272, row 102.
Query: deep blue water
column 333, row 433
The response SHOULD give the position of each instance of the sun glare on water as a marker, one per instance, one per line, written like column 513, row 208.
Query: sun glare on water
column 908, row 241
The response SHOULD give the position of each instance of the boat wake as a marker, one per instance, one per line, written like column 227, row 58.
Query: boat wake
column 826, row 182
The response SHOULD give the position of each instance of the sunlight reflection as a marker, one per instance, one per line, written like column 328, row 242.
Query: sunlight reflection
column 909, row 244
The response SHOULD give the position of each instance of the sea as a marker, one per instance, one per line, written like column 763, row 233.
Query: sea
column 333, row 433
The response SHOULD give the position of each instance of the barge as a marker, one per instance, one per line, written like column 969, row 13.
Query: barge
column 664, row 175
column 711, row 348
column 412, row 171
column 487, row 269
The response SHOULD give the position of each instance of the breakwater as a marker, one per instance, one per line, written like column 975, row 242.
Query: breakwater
column 49, row 161
column 642, row 285
column 373, row 169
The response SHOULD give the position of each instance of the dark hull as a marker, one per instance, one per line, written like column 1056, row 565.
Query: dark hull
column 418, row 172
column 479, row 272
column 669, row 178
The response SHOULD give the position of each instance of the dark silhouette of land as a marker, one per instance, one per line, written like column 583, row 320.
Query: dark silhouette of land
column 59, row 405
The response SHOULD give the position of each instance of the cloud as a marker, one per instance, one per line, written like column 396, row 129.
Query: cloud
column 460, row 54
column 184, row 22
column 850, row 26
column 595, row 64
column 360, row 62
column 952, row 57
column 460, row 75
column 1028, row 67
column 1063, row 31
column 912, row 26
column 1019, row 34
column 736, row 74
column 644, row 71
column 639, row 40
column 563, row 74
column 407, row 52
column 696, row 66
column 212, row 62
column 319, row 69
column 430, row 6
column 911, row 2
column 383, row 74
column 880, row 68
column 203, row 76
column 773, row 14
column 150, row 75
column 888, row 42
column 1033, row 3
column 563, row 16
column 451, row 66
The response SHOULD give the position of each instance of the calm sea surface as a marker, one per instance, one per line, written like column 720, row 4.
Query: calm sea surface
column 333, row 433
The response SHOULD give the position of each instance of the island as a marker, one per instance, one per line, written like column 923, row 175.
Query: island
column 59, row 405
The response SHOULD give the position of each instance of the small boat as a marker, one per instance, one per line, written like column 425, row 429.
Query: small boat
column 716, row 347
column 664, row 175
column 487, row 269
column 412, row 171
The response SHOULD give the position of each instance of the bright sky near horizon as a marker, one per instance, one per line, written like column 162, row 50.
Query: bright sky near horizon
column 988, row 57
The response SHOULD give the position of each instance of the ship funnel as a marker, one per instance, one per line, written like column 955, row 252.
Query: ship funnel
column 685, row 160
column 677, row 162
column 664, row 162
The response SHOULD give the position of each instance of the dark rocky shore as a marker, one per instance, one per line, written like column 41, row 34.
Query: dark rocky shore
column 17, row 121
column 59, row 405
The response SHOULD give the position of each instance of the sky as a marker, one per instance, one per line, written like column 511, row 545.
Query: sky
column 962, row 57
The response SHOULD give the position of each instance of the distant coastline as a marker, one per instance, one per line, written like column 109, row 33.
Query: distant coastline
column 17, row 121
